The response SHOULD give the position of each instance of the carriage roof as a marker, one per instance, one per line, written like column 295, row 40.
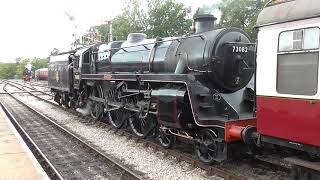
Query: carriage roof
column 280, row 11
column 42, row 69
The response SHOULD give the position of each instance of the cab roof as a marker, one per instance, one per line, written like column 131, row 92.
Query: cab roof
column 280, row 11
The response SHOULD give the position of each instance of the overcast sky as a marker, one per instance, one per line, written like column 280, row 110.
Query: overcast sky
column 32, row 28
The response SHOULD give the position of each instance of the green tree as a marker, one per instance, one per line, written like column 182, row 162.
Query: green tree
column 122, row 26
column 132, row 19
column 167, row 18
column 21, row 65
column 7, row 70
column 241, row 13
column 209, row 9
column 154, row 17
column 103, row 30
column 38, row 63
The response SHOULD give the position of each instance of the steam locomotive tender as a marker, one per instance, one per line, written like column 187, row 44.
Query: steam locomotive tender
column 198, row 87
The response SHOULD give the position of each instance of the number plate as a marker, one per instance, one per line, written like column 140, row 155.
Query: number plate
column 240, row 49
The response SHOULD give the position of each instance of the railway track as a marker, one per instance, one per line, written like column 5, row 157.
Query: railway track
column 40, row 84
column 217, row 170
column 62, row 154
column 25, row 87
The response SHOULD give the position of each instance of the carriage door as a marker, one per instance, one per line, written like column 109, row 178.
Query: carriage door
column 297, row 82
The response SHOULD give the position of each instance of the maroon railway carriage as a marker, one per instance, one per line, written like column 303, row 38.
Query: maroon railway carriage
column 287, row 93
column 288, row 109
column 41, row 74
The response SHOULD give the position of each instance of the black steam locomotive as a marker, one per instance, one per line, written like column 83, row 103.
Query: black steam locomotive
column 197, row 87
column 26, row 75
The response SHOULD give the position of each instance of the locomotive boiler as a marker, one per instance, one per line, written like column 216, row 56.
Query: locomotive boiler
column 197, row 87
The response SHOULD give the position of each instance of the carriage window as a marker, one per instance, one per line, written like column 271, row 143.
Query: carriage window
column 298, row 61
column 285, row 41
column 300, row 39
column 311, row 38
column 297, row 39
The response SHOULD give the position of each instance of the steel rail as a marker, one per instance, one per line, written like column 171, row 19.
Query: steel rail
column 34, row 95
column 53, row 172
column 24, row 86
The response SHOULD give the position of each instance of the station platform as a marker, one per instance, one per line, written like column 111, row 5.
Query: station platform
column 16, row 159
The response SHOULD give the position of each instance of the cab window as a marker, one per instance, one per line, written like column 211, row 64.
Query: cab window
column 86, row 57
column 298, row 61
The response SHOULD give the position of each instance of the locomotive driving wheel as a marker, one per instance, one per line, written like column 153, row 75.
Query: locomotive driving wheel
column 117, row 117
column 97, row 107
column 141, row 126
column 96, row 110
column 206, row 146
column 142, row 123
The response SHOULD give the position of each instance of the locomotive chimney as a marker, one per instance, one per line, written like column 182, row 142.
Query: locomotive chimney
column 203, row 22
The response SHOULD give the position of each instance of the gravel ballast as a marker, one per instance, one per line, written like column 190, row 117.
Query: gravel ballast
column 155, row 165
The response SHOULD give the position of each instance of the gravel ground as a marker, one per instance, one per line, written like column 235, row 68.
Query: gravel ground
column 154, row 164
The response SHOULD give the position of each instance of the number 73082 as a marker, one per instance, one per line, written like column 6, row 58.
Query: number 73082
column 239, row 49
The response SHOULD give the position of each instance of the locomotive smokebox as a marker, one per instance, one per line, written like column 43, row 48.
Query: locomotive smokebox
column 203, row 22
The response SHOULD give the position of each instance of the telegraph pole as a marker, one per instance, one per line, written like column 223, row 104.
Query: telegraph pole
column 110, row 36
column 75, row 34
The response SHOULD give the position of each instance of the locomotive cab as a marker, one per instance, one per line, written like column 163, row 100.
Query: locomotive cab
column 83, row 62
